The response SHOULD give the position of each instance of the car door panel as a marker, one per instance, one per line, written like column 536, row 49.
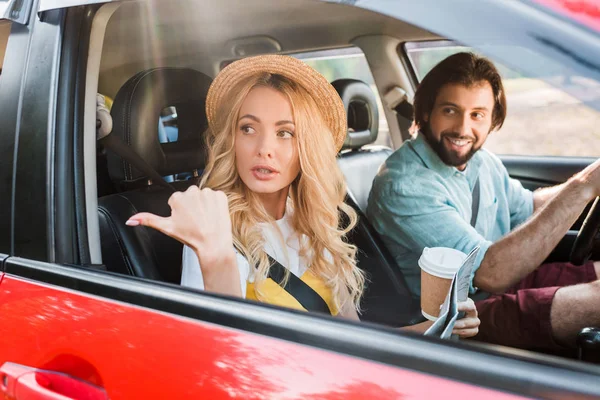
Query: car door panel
column 134, row 352
column 141, row 339
column 536, row 172
column 539, row 172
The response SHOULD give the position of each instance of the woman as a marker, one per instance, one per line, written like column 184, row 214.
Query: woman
column 272, row 187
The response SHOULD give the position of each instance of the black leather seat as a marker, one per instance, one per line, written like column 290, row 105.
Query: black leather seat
column 141, row 251
column 387, row 299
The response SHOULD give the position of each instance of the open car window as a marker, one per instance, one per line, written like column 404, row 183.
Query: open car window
column 131, row 46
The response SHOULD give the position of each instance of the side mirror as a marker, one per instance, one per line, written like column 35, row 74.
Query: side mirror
column 588, row 345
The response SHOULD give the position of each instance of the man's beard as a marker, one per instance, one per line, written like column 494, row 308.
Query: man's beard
column 449, row 157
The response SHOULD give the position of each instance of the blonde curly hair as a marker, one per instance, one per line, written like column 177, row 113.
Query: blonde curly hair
column 317, row 194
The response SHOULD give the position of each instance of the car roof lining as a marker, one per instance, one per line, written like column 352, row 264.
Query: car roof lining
column 186, row 33
column 135, row 36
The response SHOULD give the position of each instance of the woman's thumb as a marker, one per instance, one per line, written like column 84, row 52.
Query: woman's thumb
column 150, row 220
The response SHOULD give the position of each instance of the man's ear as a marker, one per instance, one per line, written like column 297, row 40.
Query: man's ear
column 426, row 117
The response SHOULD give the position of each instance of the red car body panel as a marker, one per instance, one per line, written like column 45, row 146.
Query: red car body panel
column 586, row 12
column 119, row 346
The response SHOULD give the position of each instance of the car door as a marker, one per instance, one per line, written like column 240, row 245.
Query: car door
column 69, row 329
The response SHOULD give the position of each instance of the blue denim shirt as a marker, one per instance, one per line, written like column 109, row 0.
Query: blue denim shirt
column 417, row 201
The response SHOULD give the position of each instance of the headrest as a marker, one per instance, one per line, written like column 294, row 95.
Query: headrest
column 136, row 111
column 361, row 108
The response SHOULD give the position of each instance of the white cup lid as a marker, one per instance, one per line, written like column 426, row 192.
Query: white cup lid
column 443, row 262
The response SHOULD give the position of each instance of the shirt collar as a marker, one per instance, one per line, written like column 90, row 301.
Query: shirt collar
column 432, row 161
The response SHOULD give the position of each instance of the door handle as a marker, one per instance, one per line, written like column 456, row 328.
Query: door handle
column 20, row 382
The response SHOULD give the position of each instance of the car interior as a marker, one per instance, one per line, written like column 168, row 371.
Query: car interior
column 178, row 75
column 163, row 55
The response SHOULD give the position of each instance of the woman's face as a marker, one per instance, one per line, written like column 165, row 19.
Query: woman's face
column 265, row 142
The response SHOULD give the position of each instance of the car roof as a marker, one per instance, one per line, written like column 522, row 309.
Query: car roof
column 586, row 12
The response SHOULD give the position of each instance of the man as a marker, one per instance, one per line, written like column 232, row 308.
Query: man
column 423, row 197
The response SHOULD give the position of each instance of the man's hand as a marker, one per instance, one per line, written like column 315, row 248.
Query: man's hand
column 468, row 326
column 590, row 178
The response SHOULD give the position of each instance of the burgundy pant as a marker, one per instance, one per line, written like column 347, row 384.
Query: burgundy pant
column 520, row 317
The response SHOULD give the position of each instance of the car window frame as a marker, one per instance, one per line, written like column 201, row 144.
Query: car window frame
column 11, row 87
column 34, row 172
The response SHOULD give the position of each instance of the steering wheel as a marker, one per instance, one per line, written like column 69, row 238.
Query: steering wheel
column 584, row 243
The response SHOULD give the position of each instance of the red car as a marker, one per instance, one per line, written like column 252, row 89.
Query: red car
column 92, row 309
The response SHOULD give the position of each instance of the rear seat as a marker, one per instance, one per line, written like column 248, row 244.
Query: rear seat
column 141, row 251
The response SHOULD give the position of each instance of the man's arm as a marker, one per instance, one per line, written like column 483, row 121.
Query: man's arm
column 542, row 195
column 516, row 255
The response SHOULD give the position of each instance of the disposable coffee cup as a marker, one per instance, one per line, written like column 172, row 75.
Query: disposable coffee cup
column 438, row 267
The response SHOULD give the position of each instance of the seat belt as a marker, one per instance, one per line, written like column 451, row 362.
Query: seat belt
column 475, row 203
column 298, row 289
column 476, row 194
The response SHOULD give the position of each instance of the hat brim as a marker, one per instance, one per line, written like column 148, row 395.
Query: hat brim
column 324, row 94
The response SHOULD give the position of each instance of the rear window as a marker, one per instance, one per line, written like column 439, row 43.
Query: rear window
column 349, row 63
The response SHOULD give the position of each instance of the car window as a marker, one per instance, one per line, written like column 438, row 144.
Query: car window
column 168, row 131
column 349, row 63
column 125, row 56
column 542, row 120
column 122, row 183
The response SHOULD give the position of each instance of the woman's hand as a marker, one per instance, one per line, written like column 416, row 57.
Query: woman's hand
column 468, row 326
column 200, row 219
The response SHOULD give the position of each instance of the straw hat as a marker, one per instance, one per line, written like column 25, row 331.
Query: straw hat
column 326, row 97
